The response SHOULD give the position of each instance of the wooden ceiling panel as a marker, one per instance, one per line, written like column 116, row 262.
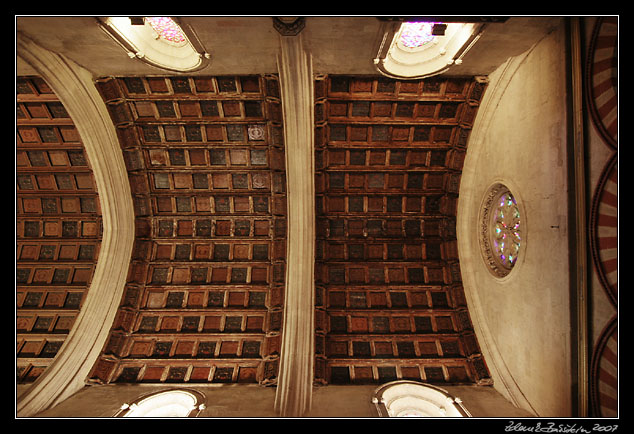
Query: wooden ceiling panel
column 390, row 303
column 58, row 226
column 205, row 160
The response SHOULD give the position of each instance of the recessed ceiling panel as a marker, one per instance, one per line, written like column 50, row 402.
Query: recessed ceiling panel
column 205, row 162
column 390, row 302
column 58, row 226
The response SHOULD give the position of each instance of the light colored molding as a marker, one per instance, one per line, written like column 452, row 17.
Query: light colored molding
column 484, row 222
column 294, row 388
column 140, row 43
column 75, row 88
column 581, row 265
column 488, row 207
column 395, row 60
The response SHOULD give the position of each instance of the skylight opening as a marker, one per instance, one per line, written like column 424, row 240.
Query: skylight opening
column 158, row 41
column 403, row 398
column 166, row 28
column 165, row 404
column 416, row 34
column 414, row 50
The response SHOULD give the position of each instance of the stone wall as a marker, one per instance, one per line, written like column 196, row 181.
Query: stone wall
column 519, row 139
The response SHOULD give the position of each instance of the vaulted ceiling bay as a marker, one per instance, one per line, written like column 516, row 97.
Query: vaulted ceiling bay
column 59, row 226
column 206, row 167
column 389, row 299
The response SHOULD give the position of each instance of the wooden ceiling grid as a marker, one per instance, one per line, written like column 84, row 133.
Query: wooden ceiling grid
column 390, row 303
column 205, row 160
column 58, row 226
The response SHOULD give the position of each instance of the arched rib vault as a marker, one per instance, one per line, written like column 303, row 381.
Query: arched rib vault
column 76, row 357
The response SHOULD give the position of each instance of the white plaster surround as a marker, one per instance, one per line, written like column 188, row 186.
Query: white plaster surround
column 165, row 403
column 493, row 191
column 404, row 398
column 433, row 58
column 75, row 89
column 140, row 42
column 519, row 139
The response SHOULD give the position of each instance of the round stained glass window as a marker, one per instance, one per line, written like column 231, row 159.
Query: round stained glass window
column 501, row 230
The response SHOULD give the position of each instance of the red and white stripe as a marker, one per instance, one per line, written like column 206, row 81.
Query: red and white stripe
column 606, row 376
column 603, row 86
column 607, row 230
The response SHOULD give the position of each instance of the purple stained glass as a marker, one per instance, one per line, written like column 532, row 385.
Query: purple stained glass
column 416, row 34
column 166, row 28
column 506, row 230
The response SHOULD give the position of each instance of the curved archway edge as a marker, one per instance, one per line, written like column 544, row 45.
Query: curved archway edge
column 75, row 88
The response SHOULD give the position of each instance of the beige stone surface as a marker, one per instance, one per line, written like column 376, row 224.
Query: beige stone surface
column 252, row 401
column 523, row 320
column 249, row 44
column 82, row 346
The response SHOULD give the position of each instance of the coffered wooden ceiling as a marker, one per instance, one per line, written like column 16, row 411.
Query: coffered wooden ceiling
column 390, row 304
column 205, row 292
column 206, row 167
column 58, row 226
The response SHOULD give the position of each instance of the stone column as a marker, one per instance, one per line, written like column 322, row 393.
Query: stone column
column 76, row 90
column 294, row 388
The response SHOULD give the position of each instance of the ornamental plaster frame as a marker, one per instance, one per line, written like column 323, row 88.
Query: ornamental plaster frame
column 198, row 401
column 428, row 395
column 396, row 61
column 187, row 57
column 75, row 88
column 493, row 193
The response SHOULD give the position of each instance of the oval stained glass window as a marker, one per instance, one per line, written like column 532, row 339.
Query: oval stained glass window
column 500, row 230
column 505, row 230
